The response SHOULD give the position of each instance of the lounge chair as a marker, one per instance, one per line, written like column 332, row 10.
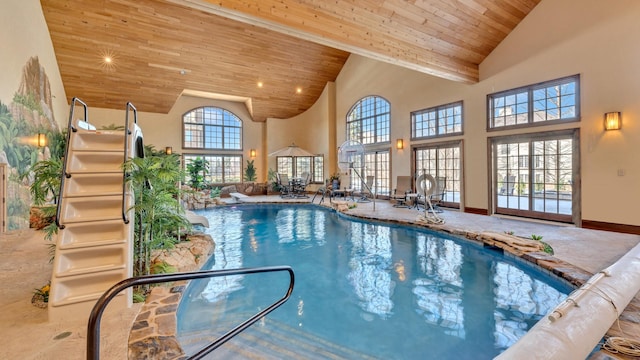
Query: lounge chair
column 402, row 191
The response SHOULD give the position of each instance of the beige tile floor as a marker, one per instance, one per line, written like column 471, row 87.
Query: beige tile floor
column 26, row 332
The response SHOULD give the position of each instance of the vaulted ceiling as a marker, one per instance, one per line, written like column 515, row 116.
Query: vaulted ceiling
column 274, row 55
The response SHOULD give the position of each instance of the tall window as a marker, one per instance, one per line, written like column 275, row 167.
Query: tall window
column 551, row 101
column 376, row 164
column 534, row 175
column 296, row 166
column 437, row 121
column 212, row 128
column 222, row 168
column 368, row 121
column 442, row 161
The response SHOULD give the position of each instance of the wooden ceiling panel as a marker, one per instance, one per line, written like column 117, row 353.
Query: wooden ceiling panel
column 163, row 47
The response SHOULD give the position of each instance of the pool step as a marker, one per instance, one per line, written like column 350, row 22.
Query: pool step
column 270, row 339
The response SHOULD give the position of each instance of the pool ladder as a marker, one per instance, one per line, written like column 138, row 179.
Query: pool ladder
column 93, row 331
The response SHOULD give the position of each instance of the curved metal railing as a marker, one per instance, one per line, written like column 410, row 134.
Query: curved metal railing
column 93, row 330
column 127, row 132
column 66, row 175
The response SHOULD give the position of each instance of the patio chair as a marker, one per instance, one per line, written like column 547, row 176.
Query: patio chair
column 299, row 186
column 365, row 191
column 402, row 191
column 438, row 195
column 284, row 184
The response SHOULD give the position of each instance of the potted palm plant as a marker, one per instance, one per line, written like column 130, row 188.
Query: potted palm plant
column 334, row 181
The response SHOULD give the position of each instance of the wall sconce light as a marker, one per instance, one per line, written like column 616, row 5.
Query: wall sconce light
column 252, row 153
column 612, row 121
column 42, row 140
column 168, row 150
column 399, row 144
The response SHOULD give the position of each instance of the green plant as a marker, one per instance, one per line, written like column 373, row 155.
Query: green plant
column 197, row 168
column 158, row 216
column 547, row 248
column 334, row 180
column 215, row 192
column 162, row 267
column 250, row 172
column 45, row 184
column 272, row 179
column 46, row 181
column 138, row 296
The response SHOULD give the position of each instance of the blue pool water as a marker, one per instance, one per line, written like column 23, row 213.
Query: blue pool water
column 363, row 290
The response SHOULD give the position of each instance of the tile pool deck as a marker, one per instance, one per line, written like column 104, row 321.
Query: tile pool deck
column 27, row 334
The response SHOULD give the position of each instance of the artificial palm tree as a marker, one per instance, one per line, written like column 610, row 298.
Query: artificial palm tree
column 158, row 216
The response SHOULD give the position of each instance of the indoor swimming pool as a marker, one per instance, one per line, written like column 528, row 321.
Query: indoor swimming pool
column 363, row 290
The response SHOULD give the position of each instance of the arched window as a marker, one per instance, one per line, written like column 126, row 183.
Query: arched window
column 368, row 121
column 212, row 128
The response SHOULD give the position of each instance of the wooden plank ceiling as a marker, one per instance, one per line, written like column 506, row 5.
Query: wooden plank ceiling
column 224, row 48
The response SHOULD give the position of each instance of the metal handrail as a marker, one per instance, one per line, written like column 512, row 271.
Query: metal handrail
column 93, row 330
column 66, row 175
column 127, row 132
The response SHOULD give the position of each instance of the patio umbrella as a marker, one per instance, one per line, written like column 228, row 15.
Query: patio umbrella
column 292, row 150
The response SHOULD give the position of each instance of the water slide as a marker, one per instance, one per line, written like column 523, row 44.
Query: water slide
column 94, row 248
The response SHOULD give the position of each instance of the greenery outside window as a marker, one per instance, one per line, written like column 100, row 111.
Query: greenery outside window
column 212, row 128
column 437, row 121
column 223, row 169
column 551, row 101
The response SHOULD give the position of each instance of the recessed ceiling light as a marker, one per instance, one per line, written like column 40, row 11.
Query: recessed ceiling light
column 107, row 60
column 299, row 90
column 260, row 84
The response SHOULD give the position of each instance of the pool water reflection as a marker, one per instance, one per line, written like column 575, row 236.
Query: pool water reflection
column 362, row 289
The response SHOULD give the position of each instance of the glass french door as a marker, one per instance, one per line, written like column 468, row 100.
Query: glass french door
column 535, row 176
column 442, row 161
column 376, row 163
